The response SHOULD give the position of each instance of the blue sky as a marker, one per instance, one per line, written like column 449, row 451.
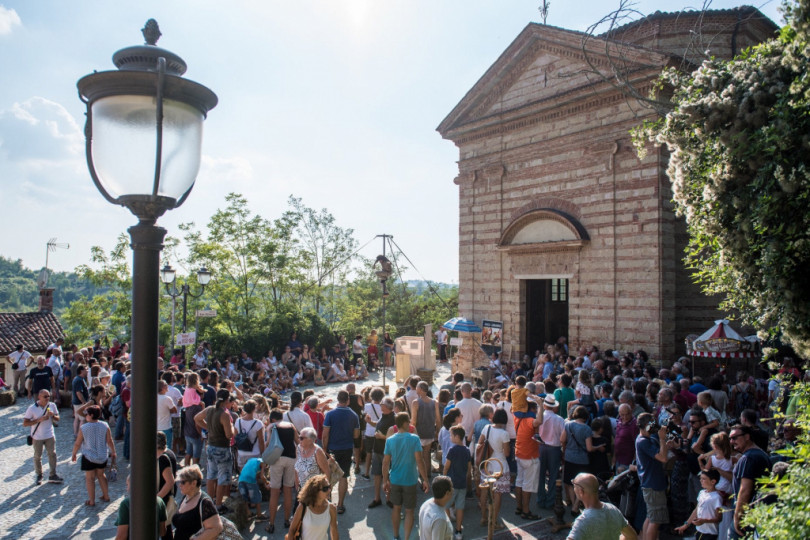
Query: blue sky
column 334, row 101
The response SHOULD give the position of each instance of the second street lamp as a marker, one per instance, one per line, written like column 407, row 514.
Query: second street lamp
column 168, row 277
column 143, row 142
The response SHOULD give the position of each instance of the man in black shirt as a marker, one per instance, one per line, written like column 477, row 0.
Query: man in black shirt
column 385, row 423
column 753, row 464
column 41, row 378
column 760, row 437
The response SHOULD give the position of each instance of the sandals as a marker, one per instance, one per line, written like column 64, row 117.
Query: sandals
column 270, row 528
column 529, row 515
column 88, row 502
column 341, row 509
column 519, row 511
column 105, row 499
column 500, row 525
column 260, row 517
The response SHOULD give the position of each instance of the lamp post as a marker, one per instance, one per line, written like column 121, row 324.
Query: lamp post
column 143, row 144
column 168, row 277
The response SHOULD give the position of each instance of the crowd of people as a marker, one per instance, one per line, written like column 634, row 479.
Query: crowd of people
column 695, row 445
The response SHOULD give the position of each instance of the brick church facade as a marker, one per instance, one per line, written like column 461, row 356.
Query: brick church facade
column 563, row 229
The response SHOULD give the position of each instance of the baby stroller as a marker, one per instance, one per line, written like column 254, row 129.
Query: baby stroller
column 621, row 491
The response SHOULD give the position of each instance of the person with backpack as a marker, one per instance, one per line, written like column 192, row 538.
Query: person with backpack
column 742, row 395
column 249, row 435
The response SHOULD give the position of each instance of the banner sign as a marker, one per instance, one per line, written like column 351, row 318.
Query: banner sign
column 186, row 339
column 492, row 333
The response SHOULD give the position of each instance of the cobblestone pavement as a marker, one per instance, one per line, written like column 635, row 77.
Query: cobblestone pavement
column 49, row 511
column 57, row 511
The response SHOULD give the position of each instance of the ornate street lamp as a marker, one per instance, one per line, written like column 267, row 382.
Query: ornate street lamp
column 167, row 276
column 143, row 144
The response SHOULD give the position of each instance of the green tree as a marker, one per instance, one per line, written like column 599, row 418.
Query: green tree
column 739, row 138
column 326, row 250
column 110, row 312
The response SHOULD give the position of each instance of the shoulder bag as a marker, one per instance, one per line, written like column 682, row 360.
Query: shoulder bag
column 274, row 448
column 483, row 451
column 297, row 534
column 30, row 439
column 229, row 530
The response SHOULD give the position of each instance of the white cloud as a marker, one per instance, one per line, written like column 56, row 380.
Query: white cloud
column 8, row 20
column 39, row 129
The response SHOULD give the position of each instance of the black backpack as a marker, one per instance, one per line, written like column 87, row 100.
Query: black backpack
column 243, row 441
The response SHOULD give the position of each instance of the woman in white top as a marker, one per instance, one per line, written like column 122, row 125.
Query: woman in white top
column 498, row 440
column 316, row 516
column 254, row 428
column 373, row 412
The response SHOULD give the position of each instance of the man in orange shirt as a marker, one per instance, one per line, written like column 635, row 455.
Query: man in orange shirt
column 527, row 452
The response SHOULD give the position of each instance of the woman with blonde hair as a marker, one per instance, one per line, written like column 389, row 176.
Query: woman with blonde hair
column 197, row 511
column 316, row 516
column 262, row 411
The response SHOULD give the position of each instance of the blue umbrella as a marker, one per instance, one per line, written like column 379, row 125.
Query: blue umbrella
column 460, row 324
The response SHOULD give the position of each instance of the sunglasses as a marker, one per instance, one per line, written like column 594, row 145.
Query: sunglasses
column 734, row 437
column 326, row 489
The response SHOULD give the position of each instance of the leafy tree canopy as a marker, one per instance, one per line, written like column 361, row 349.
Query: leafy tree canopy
column 739, row 138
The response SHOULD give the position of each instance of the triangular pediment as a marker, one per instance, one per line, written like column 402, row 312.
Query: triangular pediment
column 544, row 65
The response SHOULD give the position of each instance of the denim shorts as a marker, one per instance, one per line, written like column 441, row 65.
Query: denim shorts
column 194, row 447
column 220, row 464
column 250, row 492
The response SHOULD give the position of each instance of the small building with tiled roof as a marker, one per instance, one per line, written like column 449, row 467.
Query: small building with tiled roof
column 35, row 331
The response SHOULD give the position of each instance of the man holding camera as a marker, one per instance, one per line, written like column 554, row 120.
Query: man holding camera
column 651, row 455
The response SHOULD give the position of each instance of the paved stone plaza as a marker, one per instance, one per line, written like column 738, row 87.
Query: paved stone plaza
column 57, row 511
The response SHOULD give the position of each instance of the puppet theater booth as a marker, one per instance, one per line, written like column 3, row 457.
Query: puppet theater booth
column 722, row 348
column 414, row 358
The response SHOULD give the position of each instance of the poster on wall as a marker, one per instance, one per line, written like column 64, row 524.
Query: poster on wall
column 491, row 336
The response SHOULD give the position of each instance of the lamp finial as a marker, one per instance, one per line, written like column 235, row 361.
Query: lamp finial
column 151, row 32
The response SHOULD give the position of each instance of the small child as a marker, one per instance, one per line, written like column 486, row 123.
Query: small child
column 194, row 391
column 519, row 394
column 600, row 461
column 706, row 516
column 254, row 473
column 719, row 459
column 713, row 416
column 458, row 467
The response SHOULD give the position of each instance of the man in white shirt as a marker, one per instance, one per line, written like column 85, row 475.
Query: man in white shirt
column 39, row 417
column 441, row 342
column 295, row 415
column 550, row 452
column 165, row 408
column 177, row 397
column 19, row 357
column 55, row 363
column 433, row 521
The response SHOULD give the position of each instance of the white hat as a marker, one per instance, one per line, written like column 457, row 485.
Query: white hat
column 103, row 373
column 550, row 401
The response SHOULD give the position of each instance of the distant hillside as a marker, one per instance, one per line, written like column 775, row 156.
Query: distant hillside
column 19, row 291
column 420, row 286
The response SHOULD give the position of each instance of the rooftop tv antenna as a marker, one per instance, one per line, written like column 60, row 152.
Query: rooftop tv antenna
column 544, row 10
column 52, row 245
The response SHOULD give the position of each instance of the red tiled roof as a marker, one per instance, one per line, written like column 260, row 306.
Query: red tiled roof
column 34, row 331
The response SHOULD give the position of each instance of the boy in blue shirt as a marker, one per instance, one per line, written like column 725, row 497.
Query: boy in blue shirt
column 458, row 468
column 254, row 473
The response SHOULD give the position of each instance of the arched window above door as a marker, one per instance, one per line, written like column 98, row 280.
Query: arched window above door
column 543, row 229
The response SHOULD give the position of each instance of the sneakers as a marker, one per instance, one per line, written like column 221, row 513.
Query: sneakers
column 54, row 479
column 39, row 479
column 458, row 535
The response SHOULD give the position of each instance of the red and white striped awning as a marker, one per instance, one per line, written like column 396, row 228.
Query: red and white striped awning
column 739, row 354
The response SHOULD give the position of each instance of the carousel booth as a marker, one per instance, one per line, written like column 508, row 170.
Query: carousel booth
column 721, row 348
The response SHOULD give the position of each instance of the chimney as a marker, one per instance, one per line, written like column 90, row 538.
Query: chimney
column 46, row 300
